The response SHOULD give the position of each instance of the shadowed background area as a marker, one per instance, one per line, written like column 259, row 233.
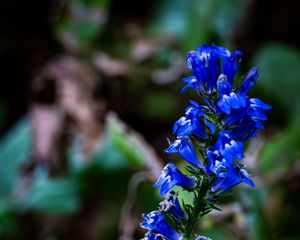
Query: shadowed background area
column 90, row 91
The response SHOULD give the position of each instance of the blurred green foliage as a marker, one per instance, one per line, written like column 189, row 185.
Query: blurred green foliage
column 283, row 150
column 51, row 196
column 118, row 154
column 195, row 21
column 279, row 66
column 15, row 148
column 82, row 23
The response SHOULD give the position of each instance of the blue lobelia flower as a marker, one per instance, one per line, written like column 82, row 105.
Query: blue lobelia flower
column 231, row 178
column 244, row 122
column 155, row 221
column 228, row 99
column 230, row 65
column 207, row 63
column 191, row 82
column 249, row 81
column 202, row 238
column 222, row 157
column 216, row 163
column 186, row 150
column 191, row 123
column 152, row 236
column 226, row 147
column 243, row 115
column 171, row 205
column 256, row 109
column 172, row 176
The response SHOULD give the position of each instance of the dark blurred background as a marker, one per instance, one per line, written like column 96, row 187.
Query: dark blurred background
column 90, row 90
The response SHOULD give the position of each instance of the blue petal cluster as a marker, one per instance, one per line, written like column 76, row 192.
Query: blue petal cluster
column 158, row 226
column 184, row 147
column 172, row 176
column 202, row 238
column 207, row 63
column 172, row 206
column 191, row 122
column 217, row 126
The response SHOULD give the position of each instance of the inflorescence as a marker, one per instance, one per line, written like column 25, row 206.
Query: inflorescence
column 217, row 126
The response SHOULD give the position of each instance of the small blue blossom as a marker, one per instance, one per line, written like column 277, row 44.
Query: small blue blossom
column 222, row 163
column 155, row 221
column 231, row 64
column 186, row 150
column 172, row 176
column 244, row 122
column 191, row 123
column 202, row 238
column 191, row 82
column 256, row 109
column 231, row 178
column 210, row 125
column 226, row 147
column 171, row 205
column 152, row 236
column 249, row 81
column 228, row 99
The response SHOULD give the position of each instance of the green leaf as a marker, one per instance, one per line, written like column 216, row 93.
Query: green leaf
column 128, row 142
column 184, row 196
column 15, row 148
column 119, row 148
column 215, row 207
column 52, row 196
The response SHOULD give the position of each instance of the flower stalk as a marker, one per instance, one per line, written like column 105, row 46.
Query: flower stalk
column 210, row 138
column 199, row 207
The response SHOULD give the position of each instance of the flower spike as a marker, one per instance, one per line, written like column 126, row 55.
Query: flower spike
column 216, row 127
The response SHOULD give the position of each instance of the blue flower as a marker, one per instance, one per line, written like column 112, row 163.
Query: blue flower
column 231, row 178
column 216, row 163
column 202, row 238
column 226, row 147
column 256, row 109
column 191, row 82
column 207, row 63
column 191, row 123
column 152, row 236
column 156, row 221
column 221, row 162
column 244, row 122
column 228, row 99
column 249, row 81
column 230, row 65
column 171, row 205
column 172, row 176
column 210, row 125
column 185, row 148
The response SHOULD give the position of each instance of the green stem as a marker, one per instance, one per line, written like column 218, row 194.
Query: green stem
column 199, row 205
